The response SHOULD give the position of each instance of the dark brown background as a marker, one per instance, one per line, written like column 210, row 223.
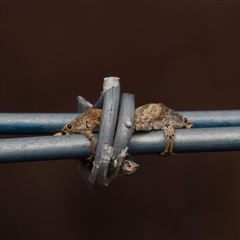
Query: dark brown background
column 186, row 55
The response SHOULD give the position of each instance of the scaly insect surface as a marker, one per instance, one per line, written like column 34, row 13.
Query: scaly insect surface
column 156, row 116
column 87, row 123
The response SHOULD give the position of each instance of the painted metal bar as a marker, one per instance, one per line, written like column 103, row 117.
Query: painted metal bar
column 29, row 149
column 50, row 123
column 34, row 123
column 104, row 151
column 123, row 134
column 82, row 104
column 223, row 118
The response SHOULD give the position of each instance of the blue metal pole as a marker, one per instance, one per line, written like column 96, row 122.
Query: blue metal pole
column 29, row 149
column 104, row 151
column 34, row 123
column 223, row 118
column 50, row 123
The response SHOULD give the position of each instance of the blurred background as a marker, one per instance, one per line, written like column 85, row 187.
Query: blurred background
column 185, row 55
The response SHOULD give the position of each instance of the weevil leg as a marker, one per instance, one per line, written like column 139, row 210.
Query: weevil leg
column 93, row 145
column 169, row 133
column 93, row 127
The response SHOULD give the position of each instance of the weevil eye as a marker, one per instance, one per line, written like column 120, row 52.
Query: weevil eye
column 69, row 126
column 128, row 164
column 185, row 120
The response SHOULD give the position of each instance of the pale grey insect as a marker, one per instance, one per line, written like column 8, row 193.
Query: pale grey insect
column 156, row 116
column 87, row 123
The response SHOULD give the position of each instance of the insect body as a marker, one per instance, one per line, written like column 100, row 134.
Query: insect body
column 87, row 123
column 156, row 116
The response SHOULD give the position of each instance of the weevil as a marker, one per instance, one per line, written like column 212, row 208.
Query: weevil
column 156, row 116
